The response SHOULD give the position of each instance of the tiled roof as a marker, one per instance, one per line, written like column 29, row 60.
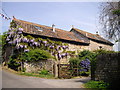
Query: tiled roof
column 92, row 36
column 47, row 31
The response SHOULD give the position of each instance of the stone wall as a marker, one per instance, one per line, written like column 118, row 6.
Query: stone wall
column 108, row 68
column 94, row 45
column 73, row 47
column 77, row 48
column 37, row 66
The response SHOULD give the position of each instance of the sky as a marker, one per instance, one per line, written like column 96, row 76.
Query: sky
column 82, row 15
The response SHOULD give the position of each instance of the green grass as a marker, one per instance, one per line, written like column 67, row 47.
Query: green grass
column 37, row 75
column 96, row 84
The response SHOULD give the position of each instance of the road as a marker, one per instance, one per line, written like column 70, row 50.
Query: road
column 11, row 80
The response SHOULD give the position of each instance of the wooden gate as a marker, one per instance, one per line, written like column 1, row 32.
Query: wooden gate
column 68, row 71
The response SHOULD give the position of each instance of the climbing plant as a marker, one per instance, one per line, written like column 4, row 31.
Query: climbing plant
column 23, row 43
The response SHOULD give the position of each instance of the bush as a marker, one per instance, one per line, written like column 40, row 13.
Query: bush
column 44, row 72
column 13, row 63
column 103, row 51
column 84, row 73
column 74, row 61
column 35, row 55
column 96, row 84
column 84, row 67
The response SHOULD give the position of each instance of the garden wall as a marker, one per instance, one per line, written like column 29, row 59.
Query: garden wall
column 37, row 66
column 108, row 68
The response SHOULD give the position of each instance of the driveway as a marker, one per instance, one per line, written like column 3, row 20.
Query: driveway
column 11, row 80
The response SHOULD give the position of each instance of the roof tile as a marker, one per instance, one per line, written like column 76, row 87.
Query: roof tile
column 92, row 36
column 47, row 31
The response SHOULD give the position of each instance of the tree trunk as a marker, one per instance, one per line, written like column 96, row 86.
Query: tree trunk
column 22, row 65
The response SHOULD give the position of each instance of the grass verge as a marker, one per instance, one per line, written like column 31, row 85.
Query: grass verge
column 96, row 84
column 49, row 76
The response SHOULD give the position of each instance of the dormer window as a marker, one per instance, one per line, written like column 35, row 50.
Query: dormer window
column 39, row 28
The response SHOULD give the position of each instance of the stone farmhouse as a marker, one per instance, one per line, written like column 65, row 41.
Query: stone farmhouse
column 76, row 39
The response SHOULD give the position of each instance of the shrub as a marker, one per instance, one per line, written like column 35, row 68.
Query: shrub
column 102, row 51
column 96, row 84
column 74, row 61
column 13, row 63
column 84, row 67
column 44, row 72
column 35, row 55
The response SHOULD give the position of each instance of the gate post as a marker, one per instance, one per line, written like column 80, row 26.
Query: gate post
column 56, row 69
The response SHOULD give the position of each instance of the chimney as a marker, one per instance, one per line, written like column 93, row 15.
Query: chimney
column 72, row 26
column 14, row 17
column 53, row 28
column 97, row 33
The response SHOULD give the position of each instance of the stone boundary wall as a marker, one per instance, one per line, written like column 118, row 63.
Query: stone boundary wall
column 37, row 66
column 108, row 68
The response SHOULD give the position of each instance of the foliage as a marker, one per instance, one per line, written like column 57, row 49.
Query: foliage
column 86, row 54
column 0, row 40
column 23, row 70
column 0, row 48
column 96, row 84
column 3, row 41
column 13, row 64
column 26, row 43
column 85, row 67
column 116, row 12
column 74, row 61
column 83, row 61
column 44, row 72
column 71, row 52
column 37, row 75
column 87, row 59
column 35, row 55
column 84, row 73
column 110, row 19
column 103, row 51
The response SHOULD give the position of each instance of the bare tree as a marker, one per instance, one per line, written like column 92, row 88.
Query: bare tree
column 110, row 19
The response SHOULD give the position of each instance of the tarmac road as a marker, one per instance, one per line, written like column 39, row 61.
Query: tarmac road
column 11, row 80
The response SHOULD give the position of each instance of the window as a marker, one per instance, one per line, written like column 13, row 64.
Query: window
column 72, row 37
column 100, row 47
column 39, row 28
column 96, row 37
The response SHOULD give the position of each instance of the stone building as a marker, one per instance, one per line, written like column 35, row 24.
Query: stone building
column 95, row 40
column 77, row 40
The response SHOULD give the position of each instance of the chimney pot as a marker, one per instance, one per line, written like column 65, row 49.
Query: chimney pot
column 53, row 28
column 97, row 33
column 72, row 26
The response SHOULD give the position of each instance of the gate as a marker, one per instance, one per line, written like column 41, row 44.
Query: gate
column 68, row 70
